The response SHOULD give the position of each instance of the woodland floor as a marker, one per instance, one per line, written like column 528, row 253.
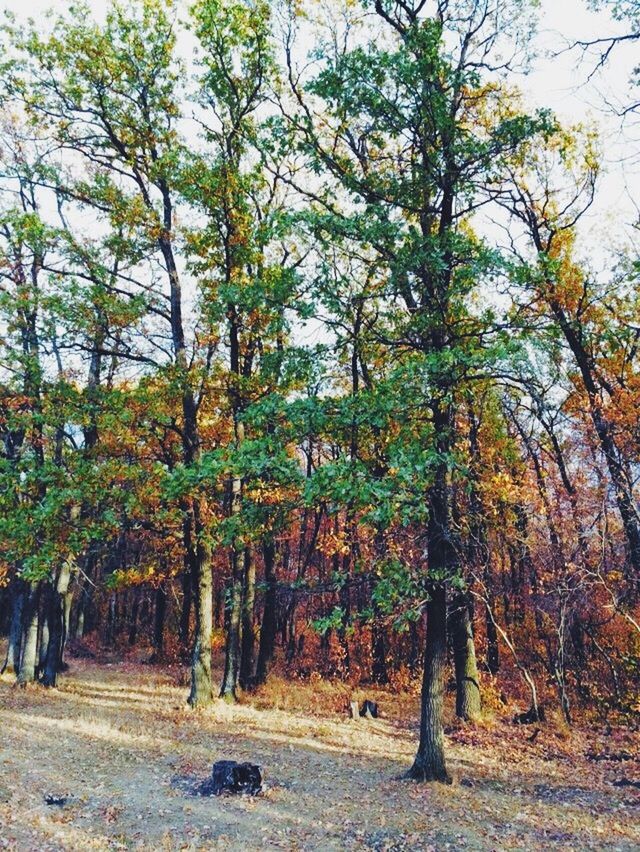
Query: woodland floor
column 117, row 740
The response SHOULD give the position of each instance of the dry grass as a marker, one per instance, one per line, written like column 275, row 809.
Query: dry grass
column 120, row 743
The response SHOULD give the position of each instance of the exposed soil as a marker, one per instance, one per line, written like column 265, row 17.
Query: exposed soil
column 120, row 756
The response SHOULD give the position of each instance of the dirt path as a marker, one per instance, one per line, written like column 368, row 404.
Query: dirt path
column 118, row 743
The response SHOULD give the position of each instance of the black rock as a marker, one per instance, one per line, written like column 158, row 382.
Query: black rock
column 228, row 776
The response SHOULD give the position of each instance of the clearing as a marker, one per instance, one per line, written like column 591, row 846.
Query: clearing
column 119, row 744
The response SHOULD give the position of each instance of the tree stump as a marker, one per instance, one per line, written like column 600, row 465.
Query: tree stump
column 229, row 776
column 369, row 709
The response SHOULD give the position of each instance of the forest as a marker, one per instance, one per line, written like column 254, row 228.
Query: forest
column 319, row 382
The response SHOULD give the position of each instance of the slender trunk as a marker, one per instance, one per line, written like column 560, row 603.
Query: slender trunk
column 111, row 622
column 379, row 673
column 159, row 614
column 413, row 661
column 604, row 430
column 234, row 629
column 187, row 579
column 84, row 620
column 201, row 687
column 269, row 614
column 133, row 619
column 468, row 704
column 43, row 628
column 524, row 671
column 198, row 554
column 493, row 649
column 67, row 603
column 378, row 651
column 479, row 553
column 248, row 638
column 234, row 601
column 528, row 568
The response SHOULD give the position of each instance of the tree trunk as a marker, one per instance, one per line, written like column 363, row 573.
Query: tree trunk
column 201, row 689
column 234, row 601
column 111, row 622
column 43, row 628
column 269, row 614
column 429, row 763
column 27, row 673
column 604, row 429
column 468, row 704
column 378, row 651
column 234, row 627
column 159, row 614
column 67, row 603
column 248, row 638
column 187, row 580
column 133, row 618
column 18, row 595
column 56, row 619
column 493, row 649
column 413, row 661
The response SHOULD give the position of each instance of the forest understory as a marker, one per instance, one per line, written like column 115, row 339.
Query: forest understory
column 319, row 369
column 117, row 741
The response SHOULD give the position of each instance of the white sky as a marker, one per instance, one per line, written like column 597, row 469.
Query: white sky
column 559, row 80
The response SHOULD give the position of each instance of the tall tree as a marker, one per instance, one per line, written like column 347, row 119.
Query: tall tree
column 403, row 121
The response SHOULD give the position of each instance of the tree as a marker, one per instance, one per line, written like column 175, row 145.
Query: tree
column 403, row 121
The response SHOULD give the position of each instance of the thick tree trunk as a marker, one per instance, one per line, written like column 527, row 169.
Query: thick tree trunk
column 468, row 703
column 429, row 763
column 56, row 619
column 27, row 673
column 269, row 615
column 12, row 660
column 248, row 638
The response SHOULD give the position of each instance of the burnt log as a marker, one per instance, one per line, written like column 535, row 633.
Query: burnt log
column 530, row 717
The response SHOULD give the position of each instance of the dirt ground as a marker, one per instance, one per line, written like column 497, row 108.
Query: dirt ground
column 119, row 744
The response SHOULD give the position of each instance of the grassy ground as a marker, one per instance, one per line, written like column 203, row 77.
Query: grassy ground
column 117, row 741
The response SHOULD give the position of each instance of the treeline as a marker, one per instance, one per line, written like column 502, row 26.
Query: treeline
column 301, row 348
